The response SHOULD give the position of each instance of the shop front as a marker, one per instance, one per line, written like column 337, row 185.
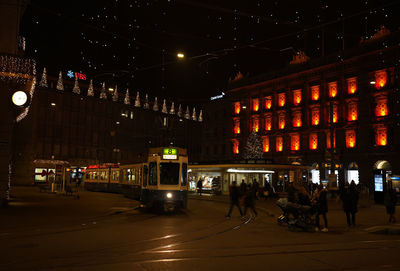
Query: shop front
column 50, row 174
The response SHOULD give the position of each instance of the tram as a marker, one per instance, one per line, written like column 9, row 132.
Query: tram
column 161, row 181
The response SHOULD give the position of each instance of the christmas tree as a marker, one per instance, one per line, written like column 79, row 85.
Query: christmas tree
column 172, row 110
column 103, row 94
column 76, row 88
column 164, row 107
column 137, row 100
column 146, row 102
column 43, row 81
column 187, row 113
column 201, row 116
column 127, row 100
column 194, row 117
column 179, row 111
column 90, row 91
column 155, row 106
column 253, row 148
column 60, row 84
column 115, row 95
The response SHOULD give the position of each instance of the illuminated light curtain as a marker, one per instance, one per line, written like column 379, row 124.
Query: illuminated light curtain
column 256, row 104
column 237, row 108
column 295, row 142
column 328, row 140
column 297, row 119
column 297, row 97
column 255, row 125
column 281, row 121
column 268, row 102
column 279, row 143
column 313, row 141
column 266, row 144
column 236, row 126
column 235, row 145
column 268, row 123
column 315, row 116
column 281, row 99
column 380, row 79
column 315, row 93
column 352, row 85
column 332, row 86
column 350, row 139
column 335, row 114
column 381, row 108
column 352, row 113
column 381, row 136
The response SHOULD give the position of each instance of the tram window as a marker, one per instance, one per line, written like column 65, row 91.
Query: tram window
column 184, row 175
column 169, row 173
column 153, row 173
column 145, row 171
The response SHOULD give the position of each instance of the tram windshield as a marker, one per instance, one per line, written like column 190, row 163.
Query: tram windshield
column 169, row 173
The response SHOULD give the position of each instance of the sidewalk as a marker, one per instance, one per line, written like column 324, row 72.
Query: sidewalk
column 370, row 217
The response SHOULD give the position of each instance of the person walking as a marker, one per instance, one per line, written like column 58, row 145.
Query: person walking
column 322, row 207
column 234, row 195
column 390, row 201
column 349, row 198
column 243, row 187
column 200, row 186
column 249, row 200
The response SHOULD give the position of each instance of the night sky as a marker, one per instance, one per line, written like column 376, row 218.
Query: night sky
column 126, row 42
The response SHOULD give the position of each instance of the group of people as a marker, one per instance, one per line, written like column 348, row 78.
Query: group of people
column 245, row 195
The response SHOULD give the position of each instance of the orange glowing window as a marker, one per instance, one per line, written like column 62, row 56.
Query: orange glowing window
column 266, row 144
column 281, row 121
column 256, row 104
column 237, row 108
column 268, row 123
column 281, row 99
column 381, row 108
column 352, row 85
column 297, row 97
column 235, row 146
column 332, row 86
column 335, row 114
column 236, row 126
column 328, row 140
column 381, row 136
column 350, row 139
column 315, row 116
column 295, row 142
column 268, row 102
column 380, row 79
column 313, row 141
column 352, row 111
column 255, row 124
column 315, row 93
column 279, row 143
column 297, row 119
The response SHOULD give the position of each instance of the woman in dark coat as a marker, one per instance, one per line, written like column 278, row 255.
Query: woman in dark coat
column 349, row 197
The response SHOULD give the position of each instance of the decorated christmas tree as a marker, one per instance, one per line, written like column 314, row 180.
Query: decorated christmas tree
column 179, row 111
column 60, row 84
column 137, row 100
column 127, row 100
column 43, row 81
column 155, row 106
column 76, row 88
column 253, row 148
column 187, row 113
column 115, row 95
column 146, row 102
column 201, row 116
column 103, row 94
column 172, row 110
column 194, row 117
column 164, row 107
column 90, row 91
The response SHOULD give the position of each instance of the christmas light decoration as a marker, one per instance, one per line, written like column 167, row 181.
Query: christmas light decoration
column 115, row 94
column 137, row 100
column 187, row 113
column 172, row 109
column 127, row 99
column 155, row 105
column 90, row 89
column 76, row 88
column 179, row 114
column 60, row 83
column 43, row 81
column 194, row 117
column 103, row 94
column 201, row 116
column 146, row 102
column 254, row 147
column 164, row 107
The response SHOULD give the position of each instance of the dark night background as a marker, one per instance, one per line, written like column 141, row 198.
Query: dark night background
column 126, row 42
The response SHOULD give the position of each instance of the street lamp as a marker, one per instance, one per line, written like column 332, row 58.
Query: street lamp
column 180, row 55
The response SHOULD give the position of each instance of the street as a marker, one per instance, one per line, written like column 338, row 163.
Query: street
column 100, row 231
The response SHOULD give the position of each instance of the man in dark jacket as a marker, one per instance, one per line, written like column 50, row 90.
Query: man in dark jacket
column 234, row 194
column 349, row 196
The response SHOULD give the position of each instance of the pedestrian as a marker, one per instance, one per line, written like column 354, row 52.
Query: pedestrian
column 199, row 186
column 243, row 187
column 234, row 195
column 349, row 198
column 321, row 206
column 255, row 188
column 390, row 201
column 249, row 200
column 291, row 192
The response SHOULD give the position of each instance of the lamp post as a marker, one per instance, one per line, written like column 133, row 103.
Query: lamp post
column 332, row 178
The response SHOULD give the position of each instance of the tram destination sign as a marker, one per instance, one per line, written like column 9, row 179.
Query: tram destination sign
column 170, row 154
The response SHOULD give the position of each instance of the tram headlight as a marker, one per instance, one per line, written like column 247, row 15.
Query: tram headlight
column 169, row 195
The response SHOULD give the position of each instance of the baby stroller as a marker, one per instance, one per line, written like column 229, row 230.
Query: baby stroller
column 296, row 216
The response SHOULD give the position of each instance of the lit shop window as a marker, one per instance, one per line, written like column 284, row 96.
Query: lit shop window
column 350, row 139
column 255, row 104
column 332, row 87
column 281, row 121
column 268, row 123
column 236, row 126
column 335, row 114
column 315, row 116
column 281, row 99
column 295, row 142
column 297, row 97
column 315, row 93
column 313, row 141
column 237, row 108
column 380, row 79
column 381, row 136
column 381, row 108
column 268, row 102
column 235, row 145
column 265, row 143
column 297, row 119
column 255, row 124
column 279, row 143
column 328, row 140
column 352, row 85
column 352, row 111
